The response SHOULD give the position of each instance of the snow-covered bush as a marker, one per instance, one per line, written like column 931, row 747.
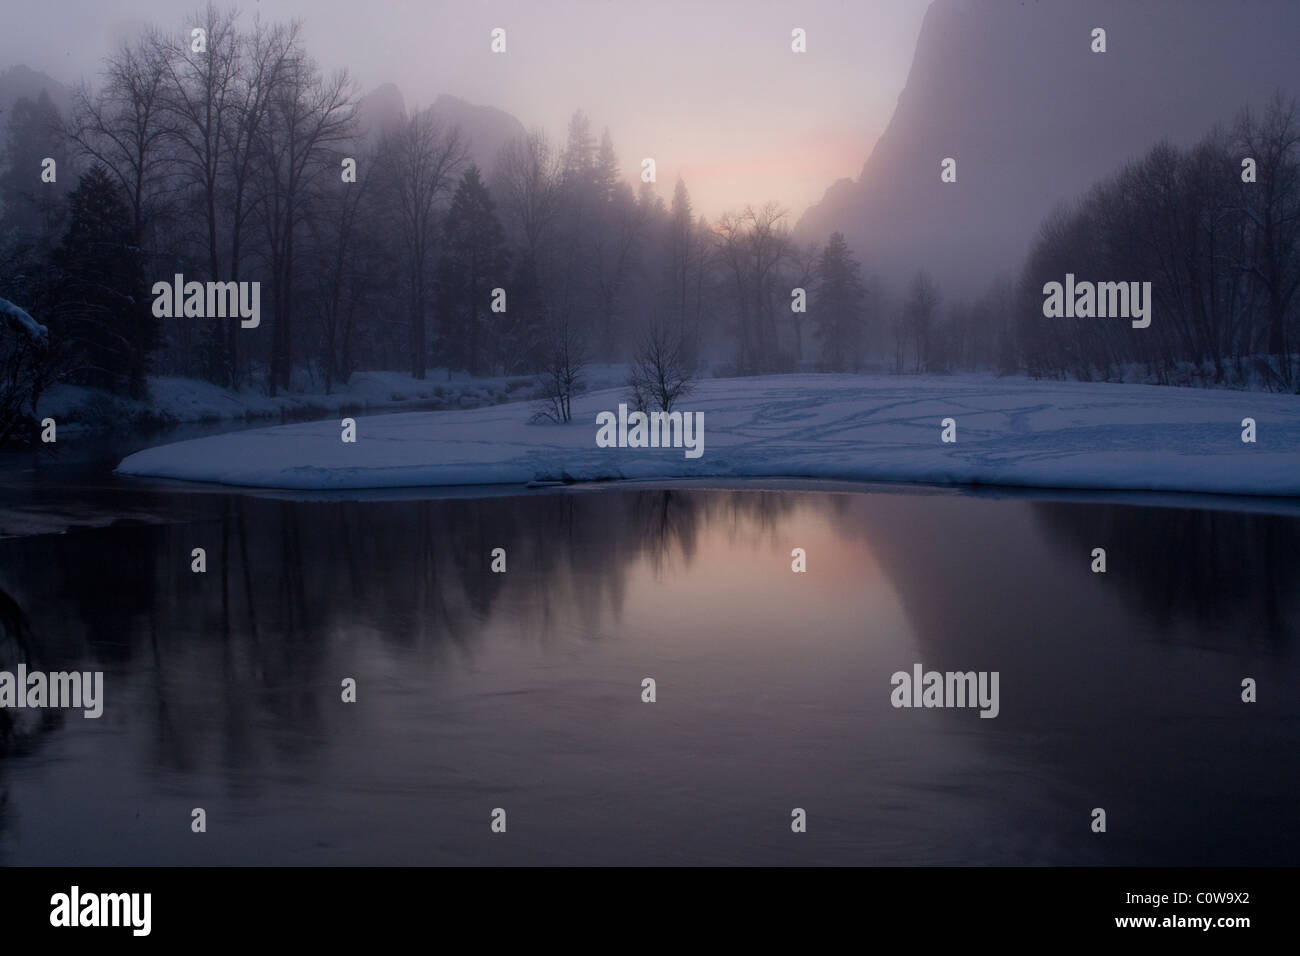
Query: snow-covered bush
column 25, row 369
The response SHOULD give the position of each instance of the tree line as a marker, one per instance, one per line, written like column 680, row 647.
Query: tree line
column 226, row 164
column 231, row 163
column 1216, row 229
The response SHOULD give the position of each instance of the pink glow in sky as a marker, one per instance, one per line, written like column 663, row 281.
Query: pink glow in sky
column 709, row 88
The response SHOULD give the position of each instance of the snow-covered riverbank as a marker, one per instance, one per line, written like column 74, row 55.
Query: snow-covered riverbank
column 175, row 400
column 1009, row 431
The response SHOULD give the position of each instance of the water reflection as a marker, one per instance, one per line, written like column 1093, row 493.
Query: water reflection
column 1231, row 576
column 522, row 689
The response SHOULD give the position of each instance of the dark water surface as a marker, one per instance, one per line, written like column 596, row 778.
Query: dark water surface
column 523, row 690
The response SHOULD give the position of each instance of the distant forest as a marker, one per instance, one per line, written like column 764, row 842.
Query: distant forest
column 228, row 164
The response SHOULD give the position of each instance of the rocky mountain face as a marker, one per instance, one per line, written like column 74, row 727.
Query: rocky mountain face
column 484, row 128
column 22, row 82
column 1014, row 93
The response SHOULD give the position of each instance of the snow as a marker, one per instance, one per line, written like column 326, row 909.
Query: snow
column 1010, row 431
column 176, row 399
column 33, row 328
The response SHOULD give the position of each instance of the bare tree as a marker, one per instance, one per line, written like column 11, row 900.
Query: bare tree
column 197, row 100
column 660, row 375
column 1273, row 208
column 124, row 126
column 308, row 115
column 420, row 161
column 919, row 313
column 567, row 356
column 751, row 245
column 261, row 57
column 347, row 269
column 530, row 172
column 1222, row 253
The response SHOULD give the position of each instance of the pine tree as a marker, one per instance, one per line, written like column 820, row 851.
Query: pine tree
column 605, row 174
column 579, row 158
column 474, row 262
column 102, row 310
column 838, row 306
column 680, row 242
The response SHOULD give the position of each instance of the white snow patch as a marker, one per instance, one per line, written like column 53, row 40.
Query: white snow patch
column 1010, row 431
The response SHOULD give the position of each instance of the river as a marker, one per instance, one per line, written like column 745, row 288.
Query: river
column 522, row 691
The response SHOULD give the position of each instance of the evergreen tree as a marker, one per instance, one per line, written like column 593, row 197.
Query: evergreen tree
column 579, row 158
column 474, row 262
column 680, row 241
column 605, row 174
column 102, row 309
column 838, row 306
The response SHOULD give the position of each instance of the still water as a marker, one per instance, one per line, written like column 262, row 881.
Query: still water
column 523, row 690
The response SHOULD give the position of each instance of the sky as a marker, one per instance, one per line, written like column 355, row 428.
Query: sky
column 709, row 88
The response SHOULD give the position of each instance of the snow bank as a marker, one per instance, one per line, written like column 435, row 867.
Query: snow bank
column 886, row 428
column 30, row 325
column 176, row 399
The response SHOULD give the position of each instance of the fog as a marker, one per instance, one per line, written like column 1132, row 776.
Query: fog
column 711, row 91
column 837, row 186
